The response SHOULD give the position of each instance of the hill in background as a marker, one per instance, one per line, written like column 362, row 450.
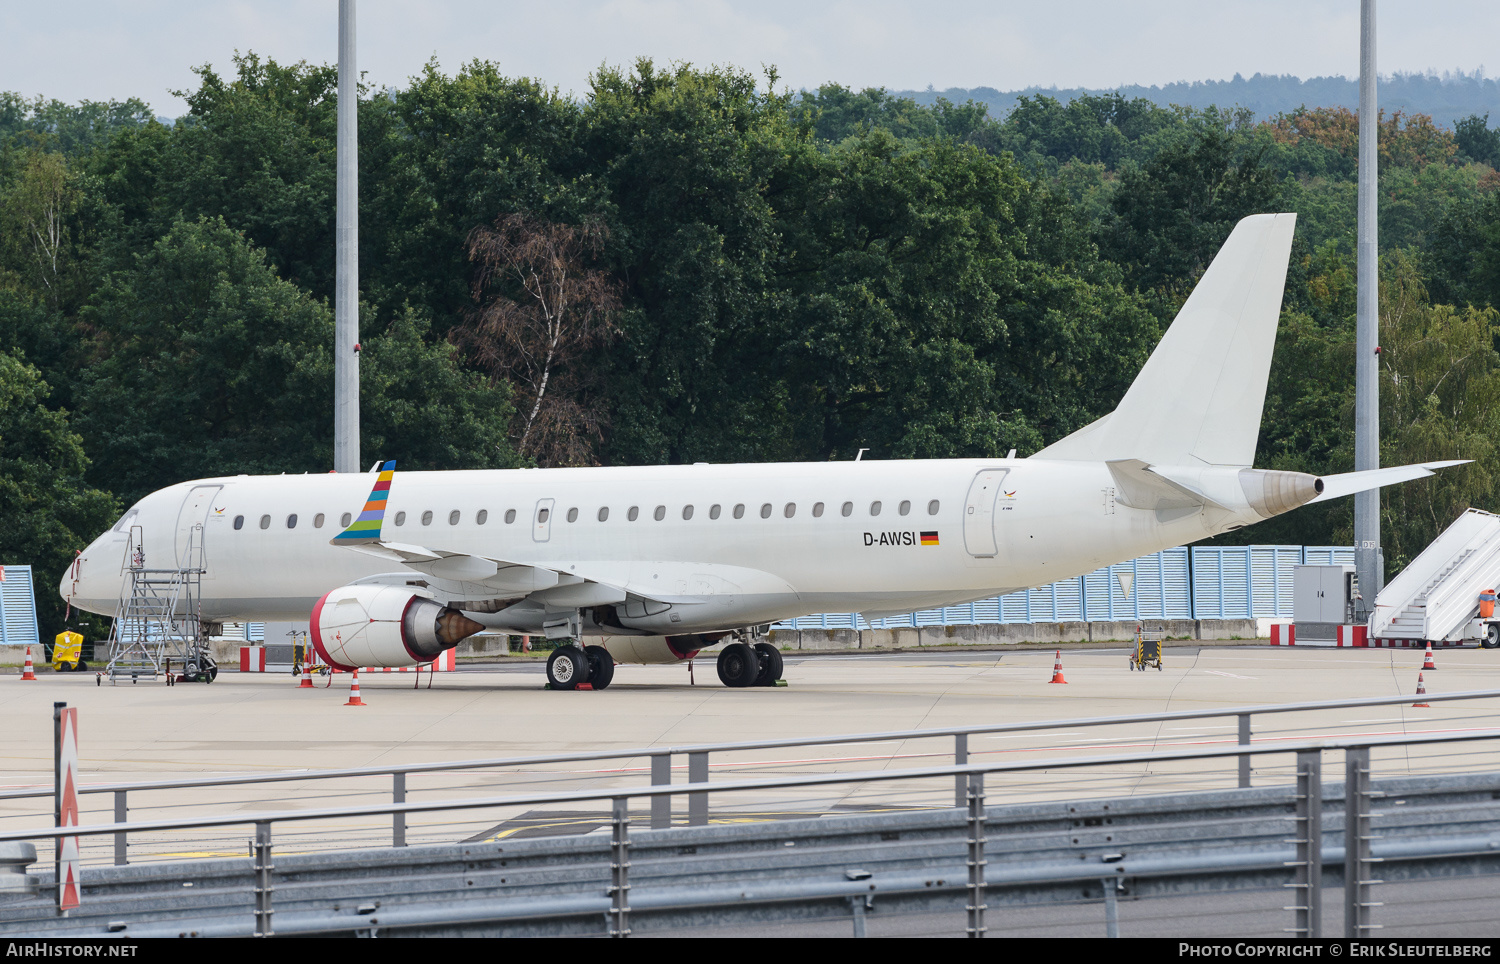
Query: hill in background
column 1446, row 97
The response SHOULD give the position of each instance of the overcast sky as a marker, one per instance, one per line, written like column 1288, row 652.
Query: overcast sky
column 98, row 50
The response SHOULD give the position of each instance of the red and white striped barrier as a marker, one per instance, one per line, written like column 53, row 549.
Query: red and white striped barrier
column 1283, row 634
column 253, row 660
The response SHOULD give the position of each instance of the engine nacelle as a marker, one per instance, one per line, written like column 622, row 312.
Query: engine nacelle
column 355, row 626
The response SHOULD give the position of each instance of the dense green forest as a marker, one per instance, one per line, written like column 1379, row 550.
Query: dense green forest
column 691, row 265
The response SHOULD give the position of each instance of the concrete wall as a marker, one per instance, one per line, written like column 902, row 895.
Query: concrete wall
column 1008, row 634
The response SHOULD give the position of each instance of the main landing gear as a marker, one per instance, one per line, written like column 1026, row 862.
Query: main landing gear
column 572, row 665
column 740, row 664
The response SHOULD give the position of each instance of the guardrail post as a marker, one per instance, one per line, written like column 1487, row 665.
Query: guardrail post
column 1244, row 757
column 698, row 802
column 398, row 819
column 120, row 840
column 661, row 807
column 960, row 757
column 976, row 905
column 1307, row 883
column 1357, row 837
column 1111, row 907
column 857, row 908
column 263, row 888
column 619, row 869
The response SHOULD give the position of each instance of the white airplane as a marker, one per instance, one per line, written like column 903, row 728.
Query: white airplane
column 655, row 563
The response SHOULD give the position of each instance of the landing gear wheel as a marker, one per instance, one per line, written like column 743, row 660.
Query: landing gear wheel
column 1491, row 636
column 567, row 667
column 738, row 665
column 601, row 666
column 211, row 672
column 770, row 664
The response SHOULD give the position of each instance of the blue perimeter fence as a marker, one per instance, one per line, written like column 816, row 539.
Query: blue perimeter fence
column 1190, row 582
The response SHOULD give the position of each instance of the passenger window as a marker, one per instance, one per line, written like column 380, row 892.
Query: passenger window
column 905, row 507
column 239, row 522
column 400, row 518
column 847, row 510
column 318, row 521
column 713, row 511
column 427, row 518
column 875, row 508
column 634, row 513
column 345, row 519
column 739, row 511
column 687, row 512
column 573, row 515
column 543, row 515
column 453, row 518
column 604, row 513
column 265, row 522
column 932, row 507
column 660, row 513
column 481, row 517
column 765, row 511
column 817, row 510
column 291, row 521
column 790, row 510
column 510, row 516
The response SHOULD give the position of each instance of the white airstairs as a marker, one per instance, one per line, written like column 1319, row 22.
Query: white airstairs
column 1437, row 596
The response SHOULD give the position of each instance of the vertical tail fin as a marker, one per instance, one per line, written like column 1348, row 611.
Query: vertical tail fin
column 366, row 528
column 1198, row 399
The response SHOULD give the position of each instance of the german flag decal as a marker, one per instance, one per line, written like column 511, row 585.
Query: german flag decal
column 929, row 539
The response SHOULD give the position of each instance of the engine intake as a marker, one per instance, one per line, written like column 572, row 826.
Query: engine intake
column 355, row 626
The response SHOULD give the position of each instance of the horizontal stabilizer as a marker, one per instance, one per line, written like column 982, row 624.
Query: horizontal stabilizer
column 1349, row 483
column 1140, row 488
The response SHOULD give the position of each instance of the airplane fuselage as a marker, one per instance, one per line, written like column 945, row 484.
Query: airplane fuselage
column 720, row 546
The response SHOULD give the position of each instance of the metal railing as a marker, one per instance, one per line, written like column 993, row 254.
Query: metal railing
column 1310, row 846
column 662, row 791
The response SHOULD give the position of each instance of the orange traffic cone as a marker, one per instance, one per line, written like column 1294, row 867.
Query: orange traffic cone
column 306, row 683
column 1427, row 662
column 1421, row 691
column 28, row 673
column 354, row 699
column 1057, row 676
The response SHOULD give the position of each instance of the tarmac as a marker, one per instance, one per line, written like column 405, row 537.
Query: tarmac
column 248, row 722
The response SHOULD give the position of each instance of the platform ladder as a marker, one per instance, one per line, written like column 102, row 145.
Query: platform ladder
column 157, row 625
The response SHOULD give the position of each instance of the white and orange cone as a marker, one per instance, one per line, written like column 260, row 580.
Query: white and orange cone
column 1057, row 676
column 1421, row 691
column 28, row 673
column 1427, row 662
column 306, row 683
column 354, row 699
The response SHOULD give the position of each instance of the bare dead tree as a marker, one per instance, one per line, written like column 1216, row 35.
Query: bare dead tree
column 541, row 307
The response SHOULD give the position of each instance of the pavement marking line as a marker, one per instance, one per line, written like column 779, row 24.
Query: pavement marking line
column 1215, row 672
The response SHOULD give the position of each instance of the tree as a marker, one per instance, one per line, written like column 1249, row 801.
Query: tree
column 47, row 510
column 34, row 215
column 542, row 308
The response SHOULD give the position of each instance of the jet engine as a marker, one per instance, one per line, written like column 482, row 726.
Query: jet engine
column 355, row 626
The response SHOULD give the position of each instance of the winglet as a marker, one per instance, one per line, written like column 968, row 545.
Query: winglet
column 366, row 529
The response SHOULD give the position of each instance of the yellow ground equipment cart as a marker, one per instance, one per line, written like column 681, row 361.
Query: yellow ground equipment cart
column 67, row 653
column 1147, row 650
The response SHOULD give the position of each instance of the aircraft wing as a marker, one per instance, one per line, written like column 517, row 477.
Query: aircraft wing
column 581, row 584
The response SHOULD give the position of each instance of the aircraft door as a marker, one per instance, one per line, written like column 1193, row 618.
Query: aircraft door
column 541, row 523
column 194, row 515
column 979, row 513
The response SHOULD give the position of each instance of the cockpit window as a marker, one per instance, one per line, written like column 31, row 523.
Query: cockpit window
column 125, row 520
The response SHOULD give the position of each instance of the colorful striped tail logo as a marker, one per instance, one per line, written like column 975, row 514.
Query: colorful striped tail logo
column 366, row 528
